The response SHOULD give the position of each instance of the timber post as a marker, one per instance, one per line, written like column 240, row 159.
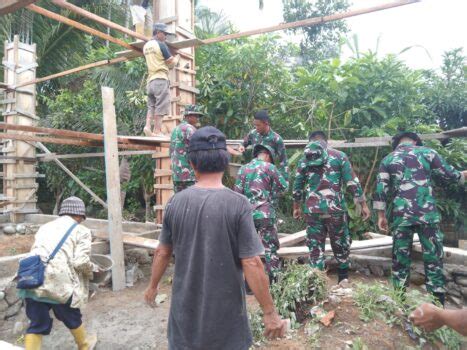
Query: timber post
column 18, row 107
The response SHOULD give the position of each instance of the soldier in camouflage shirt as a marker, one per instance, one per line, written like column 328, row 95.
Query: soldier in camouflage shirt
column 405, row 180
column 321, row 173
column 183, row 175
column 264, row 135
column 261, row 182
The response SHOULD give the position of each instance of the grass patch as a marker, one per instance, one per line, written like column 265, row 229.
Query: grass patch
column 379, row 301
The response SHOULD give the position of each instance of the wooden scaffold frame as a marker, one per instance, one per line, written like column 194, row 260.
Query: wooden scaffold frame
column 20, row 86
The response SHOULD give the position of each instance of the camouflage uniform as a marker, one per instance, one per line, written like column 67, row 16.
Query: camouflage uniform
column 260, row 181
column 183, row 175
column 321, row 174
column 274, row 140
column 404, row 180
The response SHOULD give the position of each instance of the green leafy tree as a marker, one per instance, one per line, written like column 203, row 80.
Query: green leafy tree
column 446, row 93
column 319, row 41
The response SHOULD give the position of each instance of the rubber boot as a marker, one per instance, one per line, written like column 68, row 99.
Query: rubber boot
column 272, row 279
column 440, row 297
column 32, row 341
column 342, row 274
column 84, row 341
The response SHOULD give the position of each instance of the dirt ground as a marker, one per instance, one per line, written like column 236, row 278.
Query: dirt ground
column 122, row 321
column 15, row 244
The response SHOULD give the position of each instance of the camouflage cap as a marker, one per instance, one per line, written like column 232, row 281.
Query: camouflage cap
column 409, row 134
column 258, row 148
column 193, row 110
column 316, row 153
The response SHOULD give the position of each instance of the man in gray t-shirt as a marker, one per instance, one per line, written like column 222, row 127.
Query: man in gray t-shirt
column 210, row 231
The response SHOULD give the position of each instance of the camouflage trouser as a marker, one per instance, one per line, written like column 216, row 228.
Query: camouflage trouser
column 431, row 239
column 267, row 230
column 339, row 235
column 182, row 185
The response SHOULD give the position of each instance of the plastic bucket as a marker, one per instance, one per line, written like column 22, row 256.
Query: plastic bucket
column 105, row 263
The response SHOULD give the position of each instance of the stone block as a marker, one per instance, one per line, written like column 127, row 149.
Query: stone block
column 14, row 309
column 417, row 278
column 137, row 255
column 461, row 280
column 11, row 296
column 376, row 270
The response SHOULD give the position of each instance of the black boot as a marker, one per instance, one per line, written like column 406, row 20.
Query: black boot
column 440, row 297
column 342, row 274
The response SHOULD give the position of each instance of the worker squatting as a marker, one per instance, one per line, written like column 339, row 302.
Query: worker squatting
column 218, row 235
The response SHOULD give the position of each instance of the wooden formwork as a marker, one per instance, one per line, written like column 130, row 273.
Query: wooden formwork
column 19, row 157
column 179, row 16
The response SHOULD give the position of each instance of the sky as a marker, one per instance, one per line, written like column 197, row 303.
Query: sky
column 435, row 25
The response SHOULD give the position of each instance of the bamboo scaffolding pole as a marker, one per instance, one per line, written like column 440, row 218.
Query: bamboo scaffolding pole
column 80, row 26
column 78, row 10
column 307, row 22
column 310, row 21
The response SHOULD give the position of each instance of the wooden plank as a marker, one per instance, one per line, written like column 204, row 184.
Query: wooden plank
column 168, row 20
column 86, row 135
column 163, row 172
column 132, row 240
column 80, row 26
column 8, row 6
column 163, row 187
column 292, row 239
column 52, row 156
column 73, row 176
column 295, row 252
column 100, row 20
column 113, row 188
column 310, row 21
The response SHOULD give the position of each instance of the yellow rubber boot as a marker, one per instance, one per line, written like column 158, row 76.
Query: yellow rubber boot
column 32, row 341
column 84, row 341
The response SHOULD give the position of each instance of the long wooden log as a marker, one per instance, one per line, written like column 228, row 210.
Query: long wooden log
column 80, row 26
column 64, row 141
column 124, row 141
column 74, row 70
column 52, row 156
column 306, row 22
column 310, row 21
column 74, row 177
column 78, row 10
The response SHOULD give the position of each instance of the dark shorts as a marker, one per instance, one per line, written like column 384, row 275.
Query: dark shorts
column 40, row 321
column 158, row 97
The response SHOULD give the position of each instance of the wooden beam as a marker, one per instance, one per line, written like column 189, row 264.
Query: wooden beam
column 52, row 156
column 292, row 239
column 113, row 188
column 310, row 21
column 307, row 22
column 73, row 176
column 80, row 138
column 80, row 26
column 98, row 19
column 131, row 239
column 8, row 6
column 74, row 70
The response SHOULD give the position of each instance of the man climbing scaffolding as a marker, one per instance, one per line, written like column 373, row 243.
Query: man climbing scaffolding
column 159, row 60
